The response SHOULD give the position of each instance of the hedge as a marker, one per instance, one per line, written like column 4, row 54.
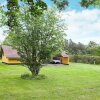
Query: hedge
column 85, row 59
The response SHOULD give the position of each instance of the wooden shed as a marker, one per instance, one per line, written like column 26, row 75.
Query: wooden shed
column 9, row 55
column 64, row 58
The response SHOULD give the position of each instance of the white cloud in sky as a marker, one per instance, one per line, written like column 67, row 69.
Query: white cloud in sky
column 83, row 26
column 3, row 33
column 2, row 37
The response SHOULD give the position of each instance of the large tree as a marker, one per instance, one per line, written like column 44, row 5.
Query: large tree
column 73, row 48
column 35, row 33
column 93, row 48
column 36, row 38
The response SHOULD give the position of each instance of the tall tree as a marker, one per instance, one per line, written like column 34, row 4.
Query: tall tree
column 93, row 48
column 37, row 38
column 81, row 48
column 72, row 47
column 92, row 44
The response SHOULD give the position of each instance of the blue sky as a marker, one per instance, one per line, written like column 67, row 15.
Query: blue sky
column 73, row 4
column 83, row 24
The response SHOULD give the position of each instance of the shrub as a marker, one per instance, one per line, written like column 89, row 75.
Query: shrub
column 25, row 76
column 39, row 77
column 30, row 77
column 85, row 59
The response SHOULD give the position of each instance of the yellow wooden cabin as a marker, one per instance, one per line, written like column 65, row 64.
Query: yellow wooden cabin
column 9, row 55
column 64, row 58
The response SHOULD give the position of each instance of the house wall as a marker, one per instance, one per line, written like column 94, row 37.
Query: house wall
column 64, row 60
column 4, row 59
column 9, row 61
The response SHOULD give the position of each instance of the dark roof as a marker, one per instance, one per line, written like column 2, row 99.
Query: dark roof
column 64, row 54
column 9, row 52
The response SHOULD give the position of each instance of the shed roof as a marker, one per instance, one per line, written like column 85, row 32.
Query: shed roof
column 9, row 52
column 64, row 54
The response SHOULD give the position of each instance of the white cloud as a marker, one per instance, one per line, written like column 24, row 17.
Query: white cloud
column 3, row 34
column 83, row 26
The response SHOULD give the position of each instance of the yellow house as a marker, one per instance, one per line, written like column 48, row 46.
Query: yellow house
column 9, row 55
column 64, row 58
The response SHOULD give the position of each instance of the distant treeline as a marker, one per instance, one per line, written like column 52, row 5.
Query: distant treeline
column 82, row 53
column 85, row 59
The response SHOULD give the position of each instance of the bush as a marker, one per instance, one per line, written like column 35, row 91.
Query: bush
column 25, row 76
column 39, row 77
column 85, row 59
column 28, row 76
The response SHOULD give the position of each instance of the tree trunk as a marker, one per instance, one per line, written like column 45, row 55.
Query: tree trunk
column 34, row 70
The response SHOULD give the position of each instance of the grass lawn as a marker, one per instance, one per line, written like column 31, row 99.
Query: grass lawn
column 73, row 82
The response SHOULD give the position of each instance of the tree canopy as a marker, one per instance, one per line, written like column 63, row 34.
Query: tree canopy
column 36, row 38
column 38, row 6
column 87, row 3
column 34, row 31
column 35, row 7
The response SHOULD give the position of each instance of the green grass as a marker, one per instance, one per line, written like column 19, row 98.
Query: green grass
column 73, row 82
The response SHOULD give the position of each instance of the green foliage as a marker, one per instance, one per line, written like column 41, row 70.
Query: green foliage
column 74, row 48
column 39, row 77
column 12, row 7
column 37, row 38
column 27, row 76
column 61, row 4
column 85, row 59
column 81, row 53
column 36, row 8
column 87, row 3
column 93, row 49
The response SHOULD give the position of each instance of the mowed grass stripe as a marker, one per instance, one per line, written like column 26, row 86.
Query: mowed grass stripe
column 74, row 82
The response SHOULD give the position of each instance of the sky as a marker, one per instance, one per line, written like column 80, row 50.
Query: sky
column 83, row 25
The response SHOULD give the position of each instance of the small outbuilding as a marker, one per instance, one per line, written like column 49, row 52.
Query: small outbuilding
column 9, row 55
column 64, row 58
